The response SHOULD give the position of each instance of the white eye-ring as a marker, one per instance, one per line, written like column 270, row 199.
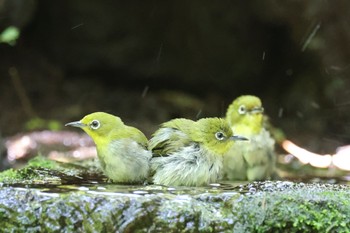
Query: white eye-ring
column 95, row 124
column 242, row 109
column 220, row 136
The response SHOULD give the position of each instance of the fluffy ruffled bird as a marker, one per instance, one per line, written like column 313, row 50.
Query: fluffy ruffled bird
column 121, row 149
column 254, row 160
column 190, row 153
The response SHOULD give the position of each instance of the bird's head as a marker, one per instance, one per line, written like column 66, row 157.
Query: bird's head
column 215, row 134
column 98, row 125
column 246, row 111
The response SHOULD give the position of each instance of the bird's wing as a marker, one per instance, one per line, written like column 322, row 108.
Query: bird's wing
column 276, row 133
column 170, row 137
column 133, row 134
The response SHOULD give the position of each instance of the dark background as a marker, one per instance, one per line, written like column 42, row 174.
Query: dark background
column 151, row 61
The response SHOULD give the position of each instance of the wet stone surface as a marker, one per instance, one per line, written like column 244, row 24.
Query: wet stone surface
column 76, row 204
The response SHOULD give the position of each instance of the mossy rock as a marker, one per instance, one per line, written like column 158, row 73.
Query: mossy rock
column 41, row 170
column 78, row 205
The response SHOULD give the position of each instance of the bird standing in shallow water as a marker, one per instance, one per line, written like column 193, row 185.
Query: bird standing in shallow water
column 121, row 149
column 190, row 153
column 256, row 159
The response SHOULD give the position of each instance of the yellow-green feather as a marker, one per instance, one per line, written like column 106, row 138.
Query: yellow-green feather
column 205, row 134
column 164, row 143
column 122, row 149
column 256, row 159
column 178, row 133
column 245, row 124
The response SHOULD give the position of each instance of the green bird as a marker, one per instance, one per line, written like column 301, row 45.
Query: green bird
column 190, row 153
column 256, row 159
column 121, row 149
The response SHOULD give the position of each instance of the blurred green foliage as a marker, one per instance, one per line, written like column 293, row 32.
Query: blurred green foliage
column 36, row 123
column 10, row 35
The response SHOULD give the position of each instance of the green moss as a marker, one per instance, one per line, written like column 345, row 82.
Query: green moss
column 259, row 207
column 295, row 208
column 41, row 170
column 303, row 209
column 43, row 162
column 9, row 174
column 28, row 175
column 38, row 170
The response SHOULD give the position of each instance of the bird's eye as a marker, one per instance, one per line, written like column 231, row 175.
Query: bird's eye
column 220, row 136
column 95, row 124
column 242, row 109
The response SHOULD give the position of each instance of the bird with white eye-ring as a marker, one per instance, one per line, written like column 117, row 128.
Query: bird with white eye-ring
column 254, row 160
column 242, row 109
column 189, row 153
column 95, row 124
column 220, row 136
column 121, row 149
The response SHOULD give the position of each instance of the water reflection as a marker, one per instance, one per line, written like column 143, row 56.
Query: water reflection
column 109, row 189
column 105, row 188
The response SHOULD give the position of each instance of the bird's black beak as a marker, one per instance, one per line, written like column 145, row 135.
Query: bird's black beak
column 238, row 138
column 75, row 124
column 257, row 110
